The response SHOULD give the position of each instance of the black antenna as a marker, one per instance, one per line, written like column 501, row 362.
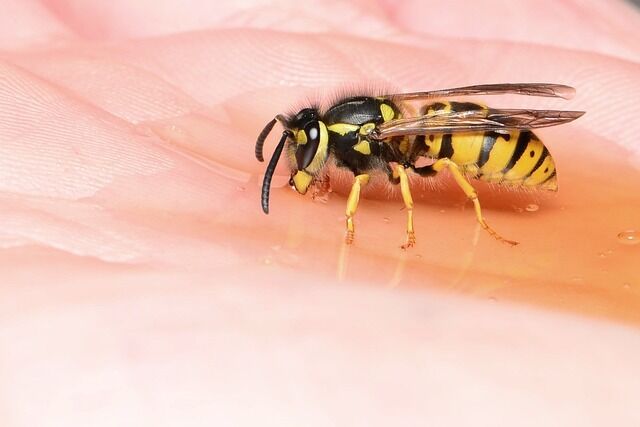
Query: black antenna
column 268, row 175
column 262, row 137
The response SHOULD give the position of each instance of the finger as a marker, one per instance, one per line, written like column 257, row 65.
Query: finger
column 548, row 23
column 122, row 20
column 30, row 23
column 182, row 337
column 201, row 222
column 193, row 135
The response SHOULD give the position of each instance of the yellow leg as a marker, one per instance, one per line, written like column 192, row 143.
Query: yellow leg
column 471, row 194
column 352, row 204
column 408, row 202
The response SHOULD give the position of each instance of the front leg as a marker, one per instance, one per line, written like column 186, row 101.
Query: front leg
column 352, row 204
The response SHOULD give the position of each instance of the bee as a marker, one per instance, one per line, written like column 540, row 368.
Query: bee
column 368, row 135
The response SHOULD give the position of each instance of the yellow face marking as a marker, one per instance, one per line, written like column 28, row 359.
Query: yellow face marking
column 542, row 173
column 387, row 112
column 301, row 137
column 526, row 162
column 343, row 128
column 500, row 156
column 321, row 155
column 466, row 148
column 363, row 147
column 302, row 180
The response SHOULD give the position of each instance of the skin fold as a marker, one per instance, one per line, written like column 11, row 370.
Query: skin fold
column 141, row 284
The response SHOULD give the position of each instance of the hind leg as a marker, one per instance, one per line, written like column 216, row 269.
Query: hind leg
column 468, row 189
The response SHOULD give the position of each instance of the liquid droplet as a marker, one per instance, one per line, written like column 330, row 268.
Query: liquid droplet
column 532, row 207
column 626, row 285
column 605, row 254
column 386, row 219
column 418, row 256
column 493, row 299
column 629, row 237
column 240, row 188
column 267, row 260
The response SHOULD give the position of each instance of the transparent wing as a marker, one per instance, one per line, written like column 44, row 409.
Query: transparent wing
column 473, row 121
column 531, row 89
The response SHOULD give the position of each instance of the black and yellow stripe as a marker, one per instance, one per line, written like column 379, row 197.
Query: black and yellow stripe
column 516, row 158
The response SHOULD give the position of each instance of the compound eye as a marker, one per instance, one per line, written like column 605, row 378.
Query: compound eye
column 306, row 152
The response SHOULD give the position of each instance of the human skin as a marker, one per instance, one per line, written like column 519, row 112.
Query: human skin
column 141, row 284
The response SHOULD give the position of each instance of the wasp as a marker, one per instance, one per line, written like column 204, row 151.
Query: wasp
column 367, row 135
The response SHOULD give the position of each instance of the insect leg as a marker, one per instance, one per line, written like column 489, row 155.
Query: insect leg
column 352, row 204
column 392, row 175
column 408, row 202
column 471, row 194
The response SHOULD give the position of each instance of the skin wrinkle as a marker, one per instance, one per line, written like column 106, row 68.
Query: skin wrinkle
column 604, row 117
column 27, row 24
column 604, row 29
column 128, row 100
column 164, row 296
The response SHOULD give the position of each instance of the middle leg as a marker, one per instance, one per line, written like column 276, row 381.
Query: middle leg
column 408, row 202
column 352, row 204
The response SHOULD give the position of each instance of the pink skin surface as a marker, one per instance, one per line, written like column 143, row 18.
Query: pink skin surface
column 140, row 283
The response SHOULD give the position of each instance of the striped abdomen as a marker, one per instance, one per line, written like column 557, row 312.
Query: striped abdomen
column 516, row 158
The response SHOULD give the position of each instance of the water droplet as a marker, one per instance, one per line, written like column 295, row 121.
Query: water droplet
column 493, row 299
column 418, row 256
column 629, row 237
column 577, row 279
column 442, row 211
column 240, row 188
column 267, row 260
column 626, row 285
column 605, row 254
column 276, row 248
column 532, row 207
column 386, row 219
column 519, row 210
